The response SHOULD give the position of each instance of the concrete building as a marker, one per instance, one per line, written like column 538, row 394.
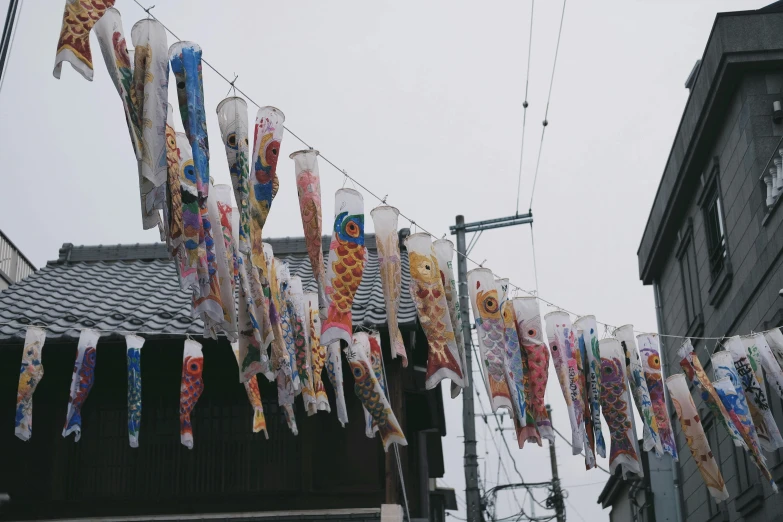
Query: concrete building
column 713, row 244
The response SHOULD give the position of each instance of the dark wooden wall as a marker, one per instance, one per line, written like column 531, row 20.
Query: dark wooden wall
column 229, row 469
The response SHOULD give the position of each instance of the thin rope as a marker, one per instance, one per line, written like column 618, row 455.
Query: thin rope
column 525, row 104
column 546, row 112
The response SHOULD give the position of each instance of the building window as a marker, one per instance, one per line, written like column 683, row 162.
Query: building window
column 716, row 234
column 689, row 278
column 711, row 204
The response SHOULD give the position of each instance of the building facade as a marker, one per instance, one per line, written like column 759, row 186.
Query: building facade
column 14, row 266
column 326, row 472
column 713, row 244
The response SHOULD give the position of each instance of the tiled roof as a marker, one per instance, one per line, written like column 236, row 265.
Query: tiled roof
column 134, row 288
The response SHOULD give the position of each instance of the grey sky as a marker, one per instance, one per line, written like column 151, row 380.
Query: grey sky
column 420, row 101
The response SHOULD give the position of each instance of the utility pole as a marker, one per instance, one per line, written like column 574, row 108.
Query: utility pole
column 8, row 32
column 472, row 494
column 557, row 493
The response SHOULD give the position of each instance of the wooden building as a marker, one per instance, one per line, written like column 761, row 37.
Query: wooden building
column 327, row 472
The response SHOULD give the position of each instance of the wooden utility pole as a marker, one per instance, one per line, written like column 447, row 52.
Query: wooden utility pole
column 557, row 493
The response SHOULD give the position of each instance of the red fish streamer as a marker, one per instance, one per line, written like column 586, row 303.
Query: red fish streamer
column 191, row 388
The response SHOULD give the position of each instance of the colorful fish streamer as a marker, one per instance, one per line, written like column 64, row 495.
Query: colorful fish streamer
column 150, row 86
column 651, row 365
column 696, row 375
column 252, row 347
column 485, row 302
column 308, row 188
column 232, row 119
column 345, row 265
column 695, row 437
column 370, row 346
column 582, row 366
column 623, row 450
column 267, row 136
column 253, row 396
column 444, row 254
column 772, row 369
column 564, row 346
column 728, row 385
column 641, row 393
column 30, row 374
column 301, row 325
column 283, row 347
column 334, row 369
column 429, row 295
column 115, row 54
column 219, row 207
column 186, row 249
column 191, row 388
column 133, row 347
column 587, row 330
column 774, row 339
column 317, row 353
column 387, row 241
column 536, row 355
column 186, row 64
column 81, row 382
column 518, row 374
column 73, row 45
column 371, row 395
column 760, row 411
column 515, row 376
column 172, row 211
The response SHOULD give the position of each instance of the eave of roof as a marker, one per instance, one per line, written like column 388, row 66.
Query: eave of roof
column 738, row 41
column 118, row 289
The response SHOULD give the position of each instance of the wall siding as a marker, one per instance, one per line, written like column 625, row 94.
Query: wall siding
column 742, row 147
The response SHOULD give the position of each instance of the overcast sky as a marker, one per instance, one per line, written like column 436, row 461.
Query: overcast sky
column 418, row 100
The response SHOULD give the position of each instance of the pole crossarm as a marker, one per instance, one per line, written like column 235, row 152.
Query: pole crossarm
column 488, row 224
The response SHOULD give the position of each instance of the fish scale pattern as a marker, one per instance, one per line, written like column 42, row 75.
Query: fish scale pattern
column 134, row 288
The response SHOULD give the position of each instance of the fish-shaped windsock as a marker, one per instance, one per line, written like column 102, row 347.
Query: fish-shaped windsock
column 317, row 354
column 387, row 241
column 345, row 265
column 623, row 450
column 264, row 183
column 651, row 364
column 563, row 344
column 308, row 188
column 134, row 344
column 528, row 318
column 695, row 436
column 334, row 369
column 30, row 374
column 698, row 377
column 444, row 255
column 588, row 341
column 427, row 292
column 253, row 395
column 371, row 395
column 191, row 388
column 81, row 382
column 485, row 302
column 641, row 393
column 74, row 44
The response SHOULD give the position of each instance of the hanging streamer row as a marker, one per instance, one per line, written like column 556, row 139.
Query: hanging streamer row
column 289, row 336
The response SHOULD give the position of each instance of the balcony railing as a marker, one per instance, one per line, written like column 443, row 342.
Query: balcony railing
column 13, row 265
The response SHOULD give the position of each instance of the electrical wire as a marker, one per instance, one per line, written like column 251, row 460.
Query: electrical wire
column 11, row 37
column 545, row 123
column 525, row 104
column 569, row 443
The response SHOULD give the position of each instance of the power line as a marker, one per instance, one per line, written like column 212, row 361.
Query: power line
column 546, row 111
column 525, row 104
column 569, row 443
